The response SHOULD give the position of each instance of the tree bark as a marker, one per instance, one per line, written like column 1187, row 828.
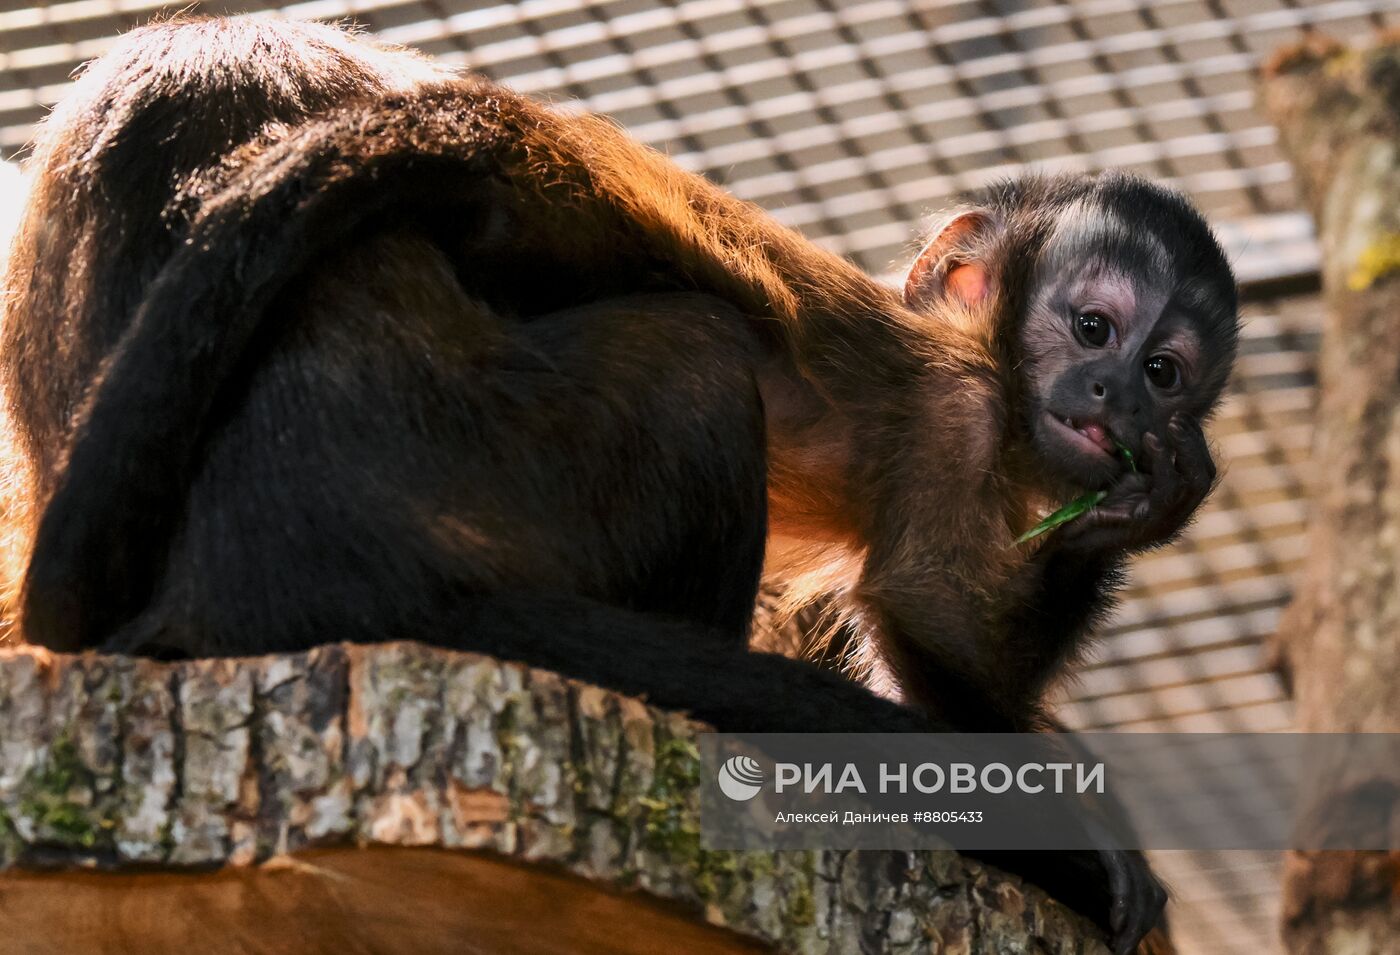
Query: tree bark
column 1339, row 114
column 402, row 798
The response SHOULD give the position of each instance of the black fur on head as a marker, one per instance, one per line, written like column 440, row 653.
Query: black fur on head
column 1134, row 265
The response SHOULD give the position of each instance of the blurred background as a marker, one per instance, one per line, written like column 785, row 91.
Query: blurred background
column 852, row 120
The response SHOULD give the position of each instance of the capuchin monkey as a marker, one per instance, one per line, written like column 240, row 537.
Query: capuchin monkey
column 1111, row 312
column 308, row 340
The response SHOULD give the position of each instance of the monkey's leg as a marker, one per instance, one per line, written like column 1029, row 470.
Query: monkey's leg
column 617, row 464
column 630, row 434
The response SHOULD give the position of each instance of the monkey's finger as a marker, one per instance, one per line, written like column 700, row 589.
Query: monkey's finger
column 1195, row 469
column 1120, row 512
column 1188, row 466
column 1193, row 458
column 1121, row 891
column 1106, row 528
column 1137, row 899
column 1118, row 920
column 1155, row 452
column 1128, row 489
column 1149, row 900
column 1166, row 490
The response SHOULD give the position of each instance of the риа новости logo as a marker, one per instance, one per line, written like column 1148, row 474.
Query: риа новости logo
column 740, row 778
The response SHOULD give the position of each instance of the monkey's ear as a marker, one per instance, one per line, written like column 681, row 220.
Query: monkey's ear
column 954, row 262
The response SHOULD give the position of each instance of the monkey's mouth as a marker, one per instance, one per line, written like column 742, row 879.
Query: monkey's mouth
column 1089, row 436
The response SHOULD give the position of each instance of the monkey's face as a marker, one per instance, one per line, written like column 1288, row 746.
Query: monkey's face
column 1111, row 351
column 1122, row 316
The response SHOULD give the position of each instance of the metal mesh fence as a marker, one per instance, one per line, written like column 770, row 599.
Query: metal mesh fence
column 848, row 119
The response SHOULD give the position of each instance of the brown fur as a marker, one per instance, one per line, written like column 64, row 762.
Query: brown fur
column 909, row 532
column 181, row 339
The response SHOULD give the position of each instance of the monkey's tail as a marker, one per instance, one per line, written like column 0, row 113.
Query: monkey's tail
column 675, row 664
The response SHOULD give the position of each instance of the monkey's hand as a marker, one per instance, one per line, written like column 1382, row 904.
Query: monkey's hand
column 1148, row 508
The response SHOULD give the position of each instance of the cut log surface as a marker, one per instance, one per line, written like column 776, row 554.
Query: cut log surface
column 398, row 798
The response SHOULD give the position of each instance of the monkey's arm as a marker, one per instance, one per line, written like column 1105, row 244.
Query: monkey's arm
column 1068, row 585
column 976, row 662
column 974, row 638
column 973, row 624
column 1056, row 602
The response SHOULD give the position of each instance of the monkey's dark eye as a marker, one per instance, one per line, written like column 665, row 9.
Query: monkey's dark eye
column 1094, row 330
column 1162, row 372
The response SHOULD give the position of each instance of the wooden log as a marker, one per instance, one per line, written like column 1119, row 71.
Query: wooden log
column 399, row 798
column 1338, row 111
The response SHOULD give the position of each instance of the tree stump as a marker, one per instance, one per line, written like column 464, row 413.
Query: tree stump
column 399, row 798
column 1339, row 114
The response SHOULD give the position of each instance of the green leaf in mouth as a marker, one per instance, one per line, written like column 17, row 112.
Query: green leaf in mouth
column 1127, row 455
column 1077, row 507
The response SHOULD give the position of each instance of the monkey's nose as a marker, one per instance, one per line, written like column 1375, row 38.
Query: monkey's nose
column 1099, row 390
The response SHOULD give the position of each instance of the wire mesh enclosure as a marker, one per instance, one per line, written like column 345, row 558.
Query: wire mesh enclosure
column 848, row 119
column 851, row 120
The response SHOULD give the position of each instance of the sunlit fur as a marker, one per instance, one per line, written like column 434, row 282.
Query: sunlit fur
column 600, row 205
column 913, row 532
